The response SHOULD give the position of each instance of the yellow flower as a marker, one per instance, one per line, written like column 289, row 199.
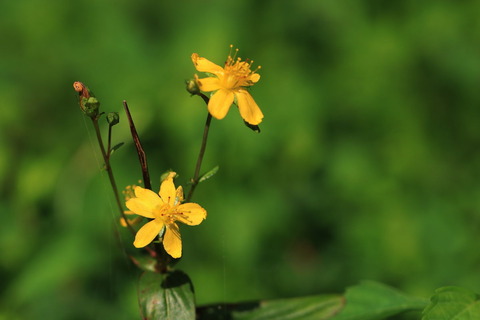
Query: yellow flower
column 165, row 208
column 230, row 83
column 129, row 193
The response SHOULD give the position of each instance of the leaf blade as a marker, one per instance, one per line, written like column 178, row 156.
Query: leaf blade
column 371, row 300
column 166, row 296
column 318, row 307
column 208, row 174
column 453, row 303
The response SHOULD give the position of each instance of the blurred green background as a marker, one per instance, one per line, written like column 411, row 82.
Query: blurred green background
column 367, row 166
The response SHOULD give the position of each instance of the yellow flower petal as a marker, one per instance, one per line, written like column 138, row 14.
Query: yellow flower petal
column 123, row 223
column 143, row 206
column 192, row 214
column 208, row 84
column 147, row 195
column 147, row 233
column 172, row 241
column 167, row 189
column 220, row 102
column 249, row 109
column 205, row 65
column 130, row 221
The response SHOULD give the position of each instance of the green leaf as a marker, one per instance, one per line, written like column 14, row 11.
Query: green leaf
column 370, row 300
column 209, row 174
column 453, row 303
column 166, row 296
column 116, row 147
column 305, row 308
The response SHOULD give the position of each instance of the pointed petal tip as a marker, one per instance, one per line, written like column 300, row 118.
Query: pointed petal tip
column 138, row 245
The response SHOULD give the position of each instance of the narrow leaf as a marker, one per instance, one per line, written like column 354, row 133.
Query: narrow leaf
column 209, row 174
column 142, row 157
column 370, row 300
column 453, row 303
column 116, row 147
column 166, row 296
column 320, row 307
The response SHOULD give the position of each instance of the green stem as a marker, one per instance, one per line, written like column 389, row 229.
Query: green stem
column 108, row 168
column 195, row 178
column 109, row 144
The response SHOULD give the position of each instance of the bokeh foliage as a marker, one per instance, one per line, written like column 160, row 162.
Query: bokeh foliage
column 367, row 166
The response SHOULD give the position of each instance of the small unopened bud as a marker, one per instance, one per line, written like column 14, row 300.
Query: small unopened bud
column 90, row 106
column 88, row 103
column 192, row 87
column 113, row 118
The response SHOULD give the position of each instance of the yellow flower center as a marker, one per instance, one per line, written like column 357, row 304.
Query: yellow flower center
column 237, row 73
column 166, row 213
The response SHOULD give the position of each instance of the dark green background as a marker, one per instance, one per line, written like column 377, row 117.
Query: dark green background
column 367, row 166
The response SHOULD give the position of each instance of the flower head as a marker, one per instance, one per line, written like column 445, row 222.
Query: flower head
column 229, row 83
column 165, row 208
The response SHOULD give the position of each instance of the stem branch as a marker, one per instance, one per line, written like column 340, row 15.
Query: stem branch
column 202, row 151
column 109, row 144
column 108, row 168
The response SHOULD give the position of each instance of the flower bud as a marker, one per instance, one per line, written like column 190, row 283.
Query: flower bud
column 192, row 87
column 113, row 118
column 88, row 103
column 90, row 106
